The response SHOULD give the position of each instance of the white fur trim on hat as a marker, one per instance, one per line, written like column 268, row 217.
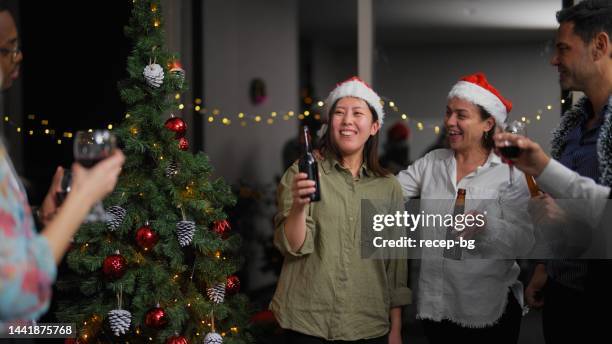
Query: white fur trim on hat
column 480, row 96
column 355, row 87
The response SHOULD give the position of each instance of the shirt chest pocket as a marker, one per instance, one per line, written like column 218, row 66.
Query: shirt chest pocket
column 483, row 200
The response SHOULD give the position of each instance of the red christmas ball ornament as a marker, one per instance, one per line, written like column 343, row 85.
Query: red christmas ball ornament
column 232, row 285
column 221, row 227
column 183, row 144
column 177, row 340
column 176, row 125
column 156, row 317
column 114, row 266
column 146, row 238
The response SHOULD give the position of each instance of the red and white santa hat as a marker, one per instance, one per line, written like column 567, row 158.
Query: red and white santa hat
column 355, row 87
column 476, row 89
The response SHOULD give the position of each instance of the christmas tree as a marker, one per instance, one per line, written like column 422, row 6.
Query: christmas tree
column 160, row 269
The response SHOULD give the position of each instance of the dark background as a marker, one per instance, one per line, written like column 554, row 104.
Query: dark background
column 74, row 55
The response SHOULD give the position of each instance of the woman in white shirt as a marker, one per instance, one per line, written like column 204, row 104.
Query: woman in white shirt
column 470, row 298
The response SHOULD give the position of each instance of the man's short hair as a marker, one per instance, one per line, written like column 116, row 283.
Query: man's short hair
column 589, row 17
column 3, row 6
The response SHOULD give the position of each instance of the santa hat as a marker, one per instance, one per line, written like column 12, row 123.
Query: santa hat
column 476, row 89
column 355, row 87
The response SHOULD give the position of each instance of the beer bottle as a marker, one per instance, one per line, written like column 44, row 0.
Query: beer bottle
column 451, row 234
column 308, row 164
column 533, row 187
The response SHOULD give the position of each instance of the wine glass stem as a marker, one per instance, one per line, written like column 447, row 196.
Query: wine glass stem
column 511, row 171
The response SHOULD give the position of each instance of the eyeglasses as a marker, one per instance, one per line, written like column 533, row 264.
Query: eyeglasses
column 13, row 52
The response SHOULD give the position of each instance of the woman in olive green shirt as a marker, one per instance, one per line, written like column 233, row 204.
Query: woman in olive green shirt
column 326, row 290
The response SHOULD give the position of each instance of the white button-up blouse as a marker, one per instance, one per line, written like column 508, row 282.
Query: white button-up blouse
column 473, row 291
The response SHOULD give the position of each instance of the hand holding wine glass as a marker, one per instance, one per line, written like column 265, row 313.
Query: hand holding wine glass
column 531, row 160
column 90, row 148
column 87, row 187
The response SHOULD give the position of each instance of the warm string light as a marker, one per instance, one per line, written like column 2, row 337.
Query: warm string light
column 51, row 132
column 47, row 131
column 301, row 116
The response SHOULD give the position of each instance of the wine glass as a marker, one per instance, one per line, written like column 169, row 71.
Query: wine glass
column 91, row 147
column 511, row 152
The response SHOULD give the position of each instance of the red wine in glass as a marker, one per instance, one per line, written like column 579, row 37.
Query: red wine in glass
column 89, row 163
column 511, row 152
column 91, row 147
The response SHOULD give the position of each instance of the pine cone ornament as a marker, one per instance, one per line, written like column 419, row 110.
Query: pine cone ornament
column 185, row 231
column 213, row 338
column 216, row 294
column 172, row 169
column 177, row 70
column 115, row 218
column 154, row 75
column 119, row 320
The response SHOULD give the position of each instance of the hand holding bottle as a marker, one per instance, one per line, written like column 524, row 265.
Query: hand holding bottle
column 302, row 189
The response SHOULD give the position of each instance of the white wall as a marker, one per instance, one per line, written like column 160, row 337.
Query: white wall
column 418, row 79
column 331, row 65
column 245, row 40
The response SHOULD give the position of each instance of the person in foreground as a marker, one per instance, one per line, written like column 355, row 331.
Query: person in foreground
column 326, row 291
column 28, row 260
column 583, row 143
column 467, row 298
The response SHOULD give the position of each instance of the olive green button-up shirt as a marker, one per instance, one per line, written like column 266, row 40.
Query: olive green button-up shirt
column 326, row 289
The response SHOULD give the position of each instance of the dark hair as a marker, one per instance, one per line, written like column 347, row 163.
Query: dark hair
column 327, row 146
column 589, row 17
column 487, row 138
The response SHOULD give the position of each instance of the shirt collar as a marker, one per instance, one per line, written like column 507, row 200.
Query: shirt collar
column 492, row 160
column 329, row 164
